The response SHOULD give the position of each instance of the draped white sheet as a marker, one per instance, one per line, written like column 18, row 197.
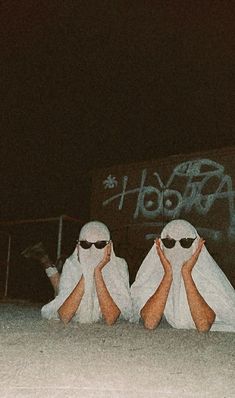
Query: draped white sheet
column 115, row 275
column 210, row 280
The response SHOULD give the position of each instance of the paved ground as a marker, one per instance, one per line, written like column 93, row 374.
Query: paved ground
column 47, row 359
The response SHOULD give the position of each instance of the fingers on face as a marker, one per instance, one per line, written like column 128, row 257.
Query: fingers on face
column 108, row 250
column 159, row 251
column 201, row 243
column 199, row 248
column 157, row 242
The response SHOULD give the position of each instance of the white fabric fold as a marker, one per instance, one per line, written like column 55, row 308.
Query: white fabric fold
column 210, row 280
column 83, row 262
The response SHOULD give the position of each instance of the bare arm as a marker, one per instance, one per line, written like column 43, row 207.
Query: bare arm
column 153, row 309
column 71, row 304
column 109, row 309
column 202, row 314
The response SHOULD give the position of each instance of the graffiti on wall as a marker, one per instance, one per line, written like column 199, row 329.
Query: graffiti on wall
column 161, row 198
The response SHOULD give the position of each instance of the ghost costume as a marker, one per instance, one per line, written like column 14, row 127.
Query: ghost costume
column 82, row 262
column 210, row 281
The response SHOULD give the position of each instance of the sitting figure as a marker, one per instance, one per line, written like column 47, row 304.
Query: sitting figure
column 94, row 283
column 180, row 280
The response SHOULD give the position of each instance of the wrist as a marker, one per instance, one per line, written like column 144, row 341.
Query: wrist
column 98, row 269
column 168, row 275
column 101, row 264
column 186, row 272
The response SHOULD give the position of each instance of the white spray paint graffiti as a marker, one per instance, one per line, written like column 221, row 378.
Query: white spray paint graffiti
column 110, row 182
column 170, row 202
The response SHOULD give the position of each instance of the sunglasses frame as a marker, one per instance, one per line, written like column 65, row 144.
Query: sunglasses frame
column 190, row 240
column 89, row 244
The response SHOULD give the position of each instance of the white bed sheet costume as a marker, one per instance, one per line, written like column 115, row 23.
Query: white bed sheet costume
column 83, row 262
column 210, row 280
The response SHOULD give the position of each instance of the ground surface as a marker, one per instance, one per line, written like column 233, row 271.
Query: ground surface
column 47, row 359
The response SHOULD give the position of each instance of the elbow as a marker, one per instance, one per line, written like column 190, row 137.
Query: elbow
column 63, row 318
column 203, row 328
column 111, row 318
column 150, row 325
column 150, row 322
column 110, row 321
column 206, row 325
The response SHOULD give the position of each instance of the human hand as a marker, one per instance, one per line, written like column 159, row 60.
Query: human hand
column 106, row 258
column 165, row 263
column 187, row 267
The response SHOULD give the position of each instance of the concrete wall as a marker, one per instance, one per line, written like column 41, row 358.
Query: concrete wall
column 137, row 200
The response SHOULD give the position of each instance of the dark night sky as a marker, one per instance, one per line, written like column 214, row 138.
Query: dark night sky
column 87, row 84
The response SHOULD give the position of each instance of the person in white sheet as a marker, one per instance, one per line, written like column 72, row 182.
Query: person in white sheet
column 94, row 283
column 180, row 280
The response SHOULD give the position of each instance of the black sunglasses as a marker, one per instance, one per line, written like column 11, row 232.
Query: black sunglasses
column 186, row 243
column 100, row 244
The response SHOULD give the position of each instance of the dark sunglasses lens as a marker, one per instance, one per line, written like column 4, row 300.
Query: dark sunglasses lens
column 84, row 244
column 186, row 243
column 100, row 244
column 168, row 243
